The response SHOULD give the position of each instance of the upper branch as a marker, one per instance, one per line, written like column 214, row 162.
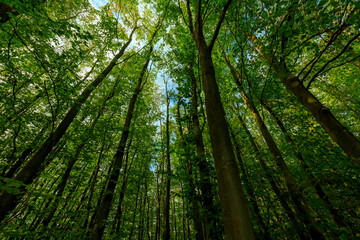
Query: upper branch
column 217, row 30
column 191, row 25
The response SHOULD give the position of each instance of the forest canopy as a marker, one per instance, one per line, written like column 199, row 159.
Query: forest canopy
column 180, row 119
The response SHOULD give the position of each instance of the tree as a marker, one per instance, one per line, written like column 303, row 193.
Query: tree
column 237, row 144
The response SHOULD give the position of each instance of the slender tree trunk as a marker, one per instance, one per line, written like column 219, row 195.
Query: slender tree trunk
column 142, row 211
column 274, row 185
column 183, row 217
column 102, row 214
column 98, row 204
column 195, row 206
column 92, row 182
column 174, row 220
column 337, row 217
column 205, row 183
column 148, row 216
column 135, row 212
column 123, row 188
column 28, row 173
column 166, row 227
column 298, row 199
column 158, row 206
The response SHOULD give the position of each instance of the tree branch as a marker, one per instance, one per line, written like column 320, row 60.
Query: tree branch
column 191, row 25
column 217, row 30
column 331, row 60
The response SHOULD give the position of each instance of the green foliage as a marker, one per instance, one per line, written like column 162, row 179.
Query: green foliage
column 51, row 50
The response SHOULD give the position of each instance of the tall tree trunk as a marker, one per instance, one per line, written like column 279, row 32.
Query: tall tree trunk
column 92, row 182
column 295, row 194
column 174, row 220
column 135, row 211
column 250, row 191
column 123, row 188
column 102, row 214
column 28, row 173
column 166, row 227
column 274, row 185
column 337, row 217
column 195, row 206
column 98, row 204
column 336, row 130
column 158, row 206
column 205, row 183
column 236, row 218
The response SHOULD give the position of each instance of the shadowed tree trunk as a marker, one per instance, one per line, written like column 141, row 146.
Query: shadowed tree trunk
column 337, row 217
column 336, row 130
column 123, row 188
column 191, row 193
column 103, row 212
column 236, row 218
column 250, row 191
column 274, row 185
column 205, row 183
column 166, row 227
column 295, row 194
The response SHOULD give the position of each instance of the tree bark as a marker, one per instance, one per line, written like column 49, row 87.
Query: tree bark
column 336, row 130
column 295, row 194
column 236, row 218
column 337, row 217
column 102, row 214
column 191, row 193
column 250, row 191
column 166, row 227
column 206, row 187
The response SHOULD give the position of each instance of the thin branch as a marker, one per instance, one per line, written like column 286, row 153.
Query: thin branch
column 333, row 59
column 218, row 26
column 191, row 25
column 316, row 59
column 207, row 7
column 182, row 14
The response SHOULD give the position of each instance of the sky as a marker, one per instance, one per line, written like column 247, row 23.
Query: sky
column 98, row 3
column 160, row 75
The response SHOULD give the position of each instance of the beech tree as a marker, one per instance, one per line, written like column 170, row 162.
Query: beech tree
column 179, row 119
